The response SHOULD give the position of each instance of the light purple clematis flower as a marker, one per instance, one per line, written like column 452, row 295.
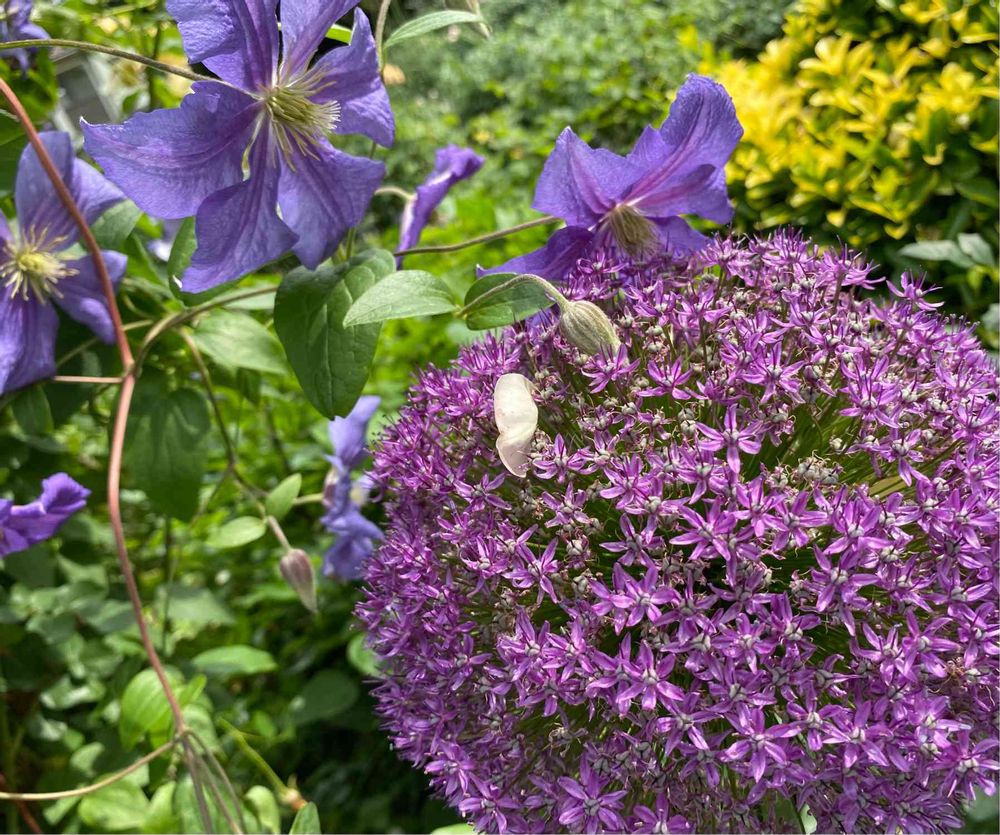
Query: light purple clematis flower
column 36, row 270
column 452, row 165
column 275, row 116
column 345, row 496
column 16, row 25
column 22, row 526
column 633, row 203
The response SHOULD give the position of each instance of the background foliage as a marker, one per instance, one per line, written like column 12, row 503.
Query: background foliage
column 886, row 132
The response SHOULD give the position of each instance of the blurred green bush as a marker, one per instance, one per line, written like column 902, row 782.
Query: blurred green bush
column 875, row 124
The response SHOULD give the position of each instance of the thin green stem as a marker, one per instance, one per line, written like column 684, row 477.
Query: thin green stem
column 383, row 12
column 481, row 239
column 93, row 787
column 44, row 43
column 237, row 736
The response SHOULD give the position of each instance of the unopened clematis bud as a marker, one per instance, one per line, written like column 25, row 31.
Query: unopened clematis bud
column 517, row 417
column 588, row 327
column 297, row 569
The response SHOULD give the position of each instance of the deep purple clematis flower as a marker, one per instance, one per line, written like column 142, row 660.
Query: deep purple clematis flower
column 452, row 165
column 274, row 115
column 35, row 269
column 16, row 25
column 345, row 496
column 22, row 526
column 632, row 204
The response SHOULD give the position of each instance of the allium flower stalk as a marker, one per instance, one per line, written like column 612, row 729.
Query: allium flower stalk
column 751, row 569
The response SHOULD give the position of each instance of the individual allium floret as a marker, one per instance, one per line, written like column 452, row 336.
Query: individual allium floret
column 452, row 164
column 750, row 568
column 275, row 117
column 22, row 526
column 16, row 25
column 345, row 495
column 632, row 204
column 39, row 268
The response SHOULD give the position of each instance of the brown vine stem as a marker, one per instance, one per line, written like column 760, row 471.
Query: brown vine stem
column 117, row 440
column 481, row 239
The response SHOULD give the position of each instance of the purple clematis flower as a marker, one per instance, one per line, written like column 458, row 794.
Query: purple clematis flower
column 345, row 496
column 633, row 203
column 22, row 526
column 274, row 115
column 16, row 25
column 452, row 165
column 35, row 269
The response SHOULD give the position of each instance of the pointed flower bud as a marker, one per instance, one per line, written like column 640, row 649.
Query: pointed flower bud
column 297, row 569
column 588, row 327
column 517, row 418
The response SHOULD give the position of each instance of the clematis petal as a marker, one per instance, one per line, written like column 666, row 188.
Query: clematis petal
column 564, row 248
column 347, row 434
column 351, row 77
column 238, row 229
column 324, row 195
column 93, row 192
column 235, row 39
column 35, row 200
column 27, row 341
column 672, row 187
column 678, row 236
column 304, row 24
column 169, row 161
column 581, row 184
column 516, row 416
column 702, row 127
column 35, row 522
column 452, row 164
column 82, row 296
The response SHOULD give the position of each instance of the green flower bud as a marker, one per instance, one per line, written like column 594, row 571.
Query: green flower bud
column 297, row 569
column 588, row 327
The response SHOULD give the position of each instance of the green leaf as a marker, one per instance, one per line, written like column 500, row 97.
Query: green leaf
column 331, row 362
column 401, row 295
column 280, row 500
column 430, row 22
column 454, row 829
column 113, row 227
column 185, row 243
column 361, row 657
column 327, row 694
column 120, row 807
column 32, row 412
column 160, row 817
column 237, row 340
column 504, row 307
column 144, row 707
column 265, row 806
column 237, row 532
column 937, row 251
column 977, row 249
column 194, row 605
column 164, row 447
column 236, row 660
column 339, row 33
column 306, row 821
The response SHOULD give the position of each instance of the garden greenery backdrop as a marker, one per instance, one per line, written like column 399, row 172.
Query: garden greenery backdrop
column 866, row 124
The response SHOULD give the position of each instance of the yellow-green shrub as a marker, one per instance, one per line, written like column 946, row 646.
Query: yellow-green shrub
column 875, row 124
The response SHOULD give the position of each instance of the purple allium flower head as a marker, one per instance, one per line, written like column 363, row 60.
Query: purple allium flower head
column 22, row 526
column 345, row 495
column 36, row 269
column 275, row 115
column 16, row 25
column 452, row 165
column 632, row 204
column 752, row 565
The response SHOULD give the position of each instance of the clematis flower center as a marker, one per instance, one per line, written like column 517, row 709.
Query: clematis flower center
column 28, row 269
column 298, row 121
column 631, row 231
